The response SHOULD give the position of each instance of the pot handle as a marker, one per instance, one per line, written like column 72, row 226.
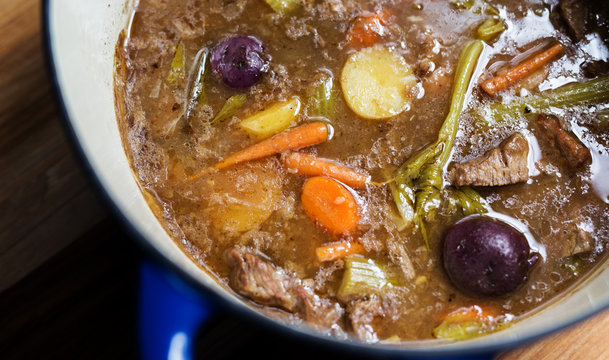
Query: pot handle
column 170, row 314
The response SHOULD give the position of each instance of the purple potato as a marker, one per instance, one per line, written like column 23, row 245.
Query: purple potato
column 240, row 61
column 485, row 257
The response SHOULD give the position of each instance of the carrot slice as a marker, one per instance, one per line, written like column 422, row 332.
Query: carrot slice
column 339, row 250
column 291, row 139
column 330, row 205
column 500, row 82
column 471, row 313
column 366, row 30
column 309, row 165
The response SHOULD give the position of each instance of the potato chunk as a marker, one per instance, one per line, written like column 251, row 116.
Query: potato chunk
column 272, row 120
column 376, row 83
column 244, row 197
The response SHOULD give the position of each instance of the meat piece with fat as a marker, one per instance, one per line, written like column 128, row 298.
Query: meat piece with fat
column 503, row 165
column 362, row 315
column 267, row 284
column 574, row 152
column 259, row 279
column 575, row 14
column 575, row 236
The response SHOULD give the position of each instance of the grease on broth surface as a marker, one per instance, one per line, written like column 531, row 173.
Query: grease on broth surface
column 170, row 95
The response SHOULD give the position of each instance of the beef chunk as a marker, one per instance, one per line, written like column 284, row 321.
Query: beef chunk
column 262, row 281
column 575, row 237
column 575, row 14
column 594, row 68
column 259, row 279
column 572, row 150
column 362, row 314
column 318, row 311
column 585, row 16
column 503, row 165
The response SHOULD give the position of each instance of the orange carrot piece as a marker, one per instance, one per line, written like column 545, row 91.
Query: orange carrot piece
column 500, row 82
column 291, row 139
column 366, row 30
column 471, row 313
column 309, row 165
column 330, row 205
column 339, row 250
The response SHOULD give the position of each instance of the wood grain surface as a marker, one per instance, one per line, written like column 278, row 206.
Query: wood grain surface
column 68, row 271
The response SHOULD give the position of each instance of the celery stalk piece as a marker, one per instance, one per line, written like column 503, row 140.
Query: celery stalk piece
column 419, row 180
column 475, row 6
column 230, row 108
column 594, row 91
column 469, row 201
column 466, row 329
column 603, row 118
column 177, row 72
column 469, row 323
column 282, row 6
column 490, row 28
column 321, row 101
column 364, row 276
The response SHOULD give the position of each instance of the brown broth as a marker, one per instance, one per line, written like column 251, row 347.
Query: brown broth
column 301, row 47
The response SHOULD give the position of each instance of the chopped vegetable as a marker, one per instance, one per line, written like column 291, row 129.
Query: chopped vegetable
column 476, row 6
column 291, row 139
column 230, row 108
column 244, row 198
column 367, row 29
column 376, row 83
column 196, row 93
column 419, row 180
column 490, row 28
column 330, row 205
column 308, row 165
column 272, row 120
column 339, row 250
column 283, row 6
column 500, row 82
column 486, row 257
column 364, row 277
column 468, row 200
column 321, row 101
column 575, row 264
column 170, row 127
column 594, row 91
column 603, row 118
column 240, row 61
column 177, row 72
column 470, row 322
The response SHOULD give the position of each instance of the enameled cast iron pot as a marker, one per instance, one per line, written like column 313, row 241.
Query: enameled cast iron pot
column 177, row 295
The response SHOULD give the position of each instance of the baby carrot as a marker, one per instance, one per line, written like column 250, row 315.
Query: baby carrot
column 309, row 165
column 339, row 250
column 291, row 139
column 366, row 30
column 500, row 82
column 471, row 313
column 330, row 205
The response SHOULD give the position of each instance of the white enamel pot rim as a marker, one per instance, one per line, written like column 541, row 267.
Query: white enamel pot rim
column 80, row 39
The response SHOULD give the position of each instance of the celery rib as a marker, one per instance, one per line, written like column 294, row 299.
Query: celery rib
column 419, row 181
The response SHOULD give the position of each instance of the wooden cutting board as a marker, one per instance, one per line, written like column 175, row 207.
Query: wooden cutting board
column 46, row 200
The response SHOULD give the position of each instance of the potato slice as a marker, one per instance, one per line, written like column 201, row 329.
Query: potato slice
column 376, row 83
column 273, row 119
column 244, row 197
